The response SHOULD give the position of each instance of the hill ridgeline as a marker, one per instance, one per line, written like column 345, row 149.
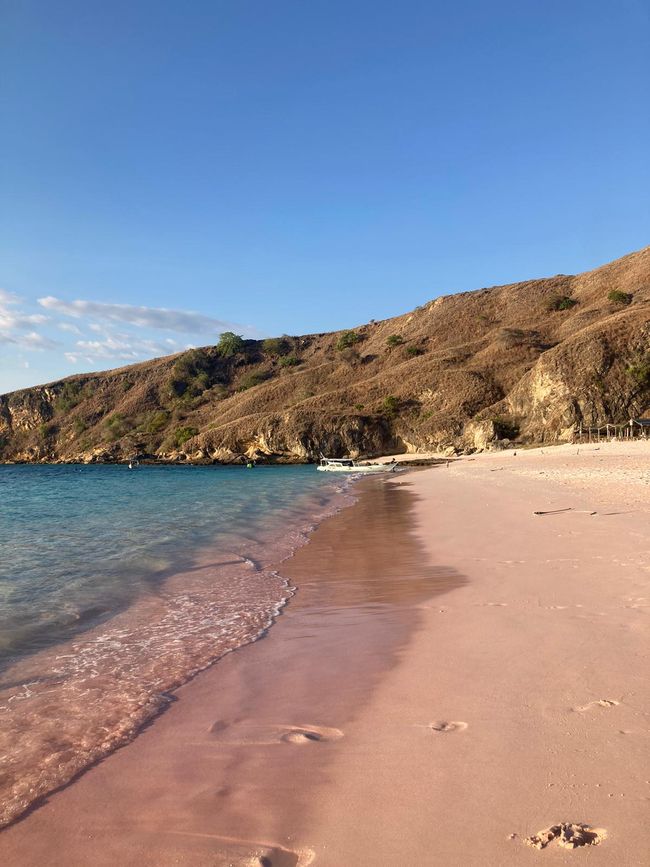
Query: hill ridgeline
column 525, row 362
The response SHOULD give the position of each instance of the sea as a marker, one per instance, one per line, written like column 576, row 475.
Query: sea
column 118, row 585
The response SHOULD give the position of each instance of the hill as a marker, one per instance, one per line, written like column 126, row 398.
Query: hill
column 524, row 362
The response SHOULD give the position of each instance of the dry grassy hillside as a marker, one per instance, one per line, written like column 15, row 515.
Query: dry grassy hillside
column 526, row 361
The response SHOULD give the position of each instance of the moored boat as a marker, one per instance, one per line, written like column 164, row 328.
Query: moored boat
column 348, row 465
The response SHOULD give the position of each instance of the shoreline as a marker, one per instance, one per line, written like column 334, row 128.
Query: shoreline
column 192, row 619
column 379, row 723
column 271, row 710
column 405, row 459
column 408, row 459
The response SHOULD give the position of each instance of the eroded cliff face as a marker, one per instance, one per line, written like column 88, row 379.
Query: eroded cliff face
column 593, row 377
column 525, row 362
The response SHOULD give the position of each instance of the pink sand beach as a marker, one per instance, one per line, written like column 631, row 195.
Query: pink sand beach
column 460, row 680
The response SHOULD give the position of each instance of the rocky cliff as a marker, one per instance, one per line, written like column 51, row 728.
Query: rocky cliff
column 524, row 362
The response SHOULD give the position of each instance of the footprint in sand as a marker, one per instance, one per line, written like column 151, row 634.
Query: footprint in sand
column 601, row 702
column 568, row 835
column 278, row 856
column 259, row 734
column 219, row 726
column 307, row 734
column 239, row 852
column 445, row 726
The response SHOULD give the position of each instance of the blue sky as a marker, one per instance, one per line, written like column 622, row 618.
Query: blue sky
column 301, row 166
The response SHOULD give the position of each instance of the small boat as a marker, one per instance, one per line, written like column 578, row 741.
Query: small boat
column 347, row 465
column 133, row 464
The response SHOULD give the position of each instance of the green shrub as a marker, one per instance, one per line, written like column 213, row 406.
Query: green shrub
column 289, row 361
column 639, row 371
column 183, row 434
column 254, row 378
column 191, row 363
column 117, row 426
column 154, row 421
column 617, row 297
column 70, row 395
column 276, row 346
column 201, row 381
column 414, row 350
column 390, row 406
column 190, row 374
column 359, row 406
column 347, row 340
column 230, row 344
column 79, row 426
column 561, row 302
column 394, row 340
column 46, row 430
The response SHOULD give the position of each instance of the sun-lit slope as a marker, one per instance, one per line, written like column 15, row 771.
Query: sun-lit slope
column 527, row 360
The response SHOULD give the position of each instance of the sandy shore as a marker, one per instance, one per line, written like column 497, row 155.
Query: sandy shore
column 455, row 674
column 533, row 674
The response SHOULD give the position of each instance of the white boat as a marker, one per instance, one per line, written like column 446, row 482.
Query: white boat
column 347, row 465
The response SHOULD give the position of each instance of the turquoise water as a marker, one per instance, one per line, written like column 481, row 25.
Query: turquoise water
column 118, row 585
column 79, row 543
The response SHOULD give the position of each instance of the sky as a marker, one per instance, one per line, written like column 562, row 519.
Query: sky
column 169, row 171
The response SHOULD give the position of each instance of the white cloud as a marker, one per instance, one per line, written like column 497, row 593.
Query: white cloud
column 97, row 334
column 162, row 318
column 8, row 297
column 14, row 324
column 108, row 348
column 69, row 327
column 10, row 318
column 32, row 340
column 124, row 347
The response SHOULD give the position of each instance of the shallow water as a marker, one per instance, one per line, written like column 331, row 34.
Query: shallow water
column 116, row 586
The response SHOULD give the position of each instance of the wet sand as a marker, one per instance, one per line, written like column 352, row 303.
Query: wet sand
column 228, row 774
column 456, row 674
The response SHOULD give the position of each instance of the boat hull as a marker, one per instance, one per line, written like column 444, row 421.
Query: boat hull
column 364, row 470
